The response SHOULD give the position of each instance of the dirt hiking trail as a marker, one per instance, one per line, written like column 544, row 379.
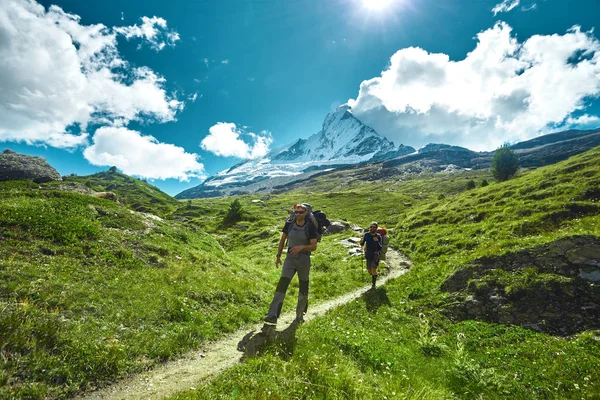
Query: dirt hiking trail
column 186, row 372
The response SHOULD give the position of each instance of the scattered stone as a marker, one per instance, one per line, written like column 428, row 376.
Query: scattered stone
column 593, row 276
column 348, row 243
column 106, row 195
column 355, row 251
column 560, row 298
column 335, row 227
column 357, row 228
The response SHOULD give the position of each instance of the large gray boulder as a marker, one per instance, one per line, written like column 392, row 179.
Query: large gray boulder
column 15, row 166
column 335, row 227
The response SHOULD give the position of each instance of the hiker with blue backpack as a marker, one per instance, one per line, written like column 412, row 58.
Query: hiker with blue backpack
column 301, row 231
column 373, row 245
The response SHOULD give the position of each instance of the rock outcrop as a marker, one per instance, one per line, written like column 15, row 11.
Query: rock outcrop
column 15, row 166
column 552, row 288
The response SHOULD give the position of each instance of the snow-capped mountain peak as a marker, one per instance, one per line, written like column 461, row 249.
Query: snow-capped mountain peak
column 342, row 140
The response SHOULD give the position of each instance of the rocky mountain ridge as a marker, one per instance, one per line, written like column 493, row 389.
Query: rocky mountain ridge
column 343, row 140
column 435, row 157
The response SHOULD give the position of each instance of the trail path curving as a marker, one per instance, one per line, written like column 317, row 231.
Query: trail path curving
column 184, row 373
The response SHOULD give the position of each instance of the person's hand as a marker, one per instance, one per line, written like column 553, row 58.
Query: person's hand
column 296, row 249
column 277, row 261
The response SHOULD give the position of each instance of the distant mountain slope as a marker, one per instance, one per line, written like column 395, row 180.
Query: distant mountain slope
column 343, row 140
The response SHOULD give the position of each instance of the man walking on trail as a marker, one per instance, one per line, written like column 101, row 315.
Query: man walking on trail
column 301, row 236
column 373, row 246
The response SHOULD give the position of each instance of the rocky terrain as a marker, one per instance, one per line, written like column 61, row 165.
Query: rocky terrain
column 553, row 288
column 15, row 166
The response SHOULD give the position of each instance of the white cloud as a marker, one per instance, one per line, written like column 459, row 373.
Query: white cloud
column 225, row 140
column 153, row 30
column 505, row 6
column 584, row 121
column 57, row 76
column 502, row 91
column 142, row 156
column 226, row 61
column 193, row 97
column 529, row 8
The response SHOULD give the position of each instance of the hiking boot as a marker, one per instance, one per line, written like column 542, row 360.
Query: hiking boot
column 299, row 320
column 270, row 320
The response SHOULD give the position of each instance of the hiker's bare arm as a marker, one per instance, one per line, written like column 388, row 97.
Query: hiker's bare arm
column 311, row 247
column 280, row 248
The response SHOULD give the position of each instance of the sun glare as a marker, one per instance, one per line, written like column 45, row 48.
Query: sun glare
column 376, row 4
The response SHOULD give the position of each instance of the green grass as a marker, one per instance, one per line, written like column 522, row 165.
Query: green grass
column 399, row 343
column 91, row 291
column 136, row 194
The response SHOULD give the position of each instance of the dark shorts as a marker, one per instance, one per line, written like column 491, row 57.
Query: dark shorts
column 372, row 260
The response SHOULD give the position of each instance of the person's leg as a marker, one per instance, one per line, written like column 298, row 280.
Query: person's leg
column 375, row 265
column 372, row 268
column 287, row 273
column 303, row 278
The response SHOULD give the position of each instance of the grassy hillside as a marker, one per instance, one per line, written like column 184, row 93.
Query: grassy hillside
column 134, row 193
column 91, row 290
column 400, row 342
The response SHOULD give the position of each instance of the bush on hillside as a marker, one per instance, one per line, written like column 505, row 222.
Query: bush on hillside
column 505, row 163
column 235, row 212
column 484, row 183
column 471, row 184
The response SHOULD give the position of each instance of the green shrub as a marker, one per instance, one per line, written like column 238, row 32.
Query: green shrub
column 505, row 163
column 235, row 212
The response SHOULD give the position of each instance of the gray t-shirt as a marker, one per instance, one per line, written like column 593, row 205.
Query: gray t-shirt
column 299, row 235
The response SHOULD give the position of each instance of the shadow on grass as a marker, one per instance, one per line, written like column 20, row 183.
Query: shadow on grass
column 375, row 298
column 269, row 338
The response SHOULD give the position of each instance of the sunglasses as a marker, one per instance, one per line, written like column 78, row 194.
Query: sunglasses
column 299, row 212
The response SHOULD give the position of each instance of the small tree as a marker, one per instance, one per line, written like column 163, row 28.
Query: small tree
column 234, row 213
column 470, row 184
column 112, row 169
column 505, row 163
column 484, row 183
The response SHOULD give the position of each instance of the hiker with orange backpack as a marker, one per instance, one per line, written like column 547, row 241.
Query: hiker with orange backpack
column 373, row 245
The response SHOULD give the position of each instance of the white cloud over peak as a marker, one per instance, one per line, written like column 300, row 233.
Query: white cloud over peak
column 58, row 76
column 153, row 30
column 502, row 91
column 505, row 6
column 142, row 156
column 225, row 139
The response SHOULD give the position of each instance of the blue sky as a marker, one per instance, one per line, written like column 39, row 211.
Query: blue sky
column 254, row 75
